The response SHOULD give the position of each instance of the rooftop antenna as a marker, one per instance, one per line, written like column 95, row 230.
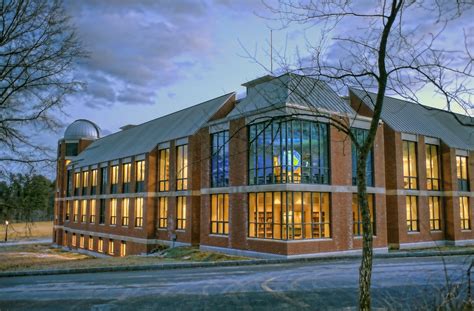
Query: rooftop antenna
column 271, row 51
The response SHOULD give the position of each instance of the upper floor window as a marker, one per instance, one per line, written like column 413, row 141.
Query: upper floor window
column 104, row 180
column 140, row 176
column 139, row 212
column 125, row 211
column 92, row 211
column 71, row 149
column 85, row 182
column 76, row 211
column 77, row 183
column 182, row 167
column 69, row 183
column 361, row 136
column 102, row 211
column 94, row 182
column 126, row 177
column 220, row 159
column 113, row 211
column 288, row 151
column 68, row 210
column 461, row 168
column 84, row 211
column 357, row 214
column 410, row 178
column 432, row 168
column 114, row 179
column 164, row 169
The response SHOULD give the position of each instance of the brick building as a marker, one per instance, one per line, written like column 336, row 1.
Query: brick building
column 265, row 175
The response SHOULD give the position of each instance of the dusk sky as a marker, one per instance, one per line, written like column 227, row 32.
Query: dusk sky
column 150, row 58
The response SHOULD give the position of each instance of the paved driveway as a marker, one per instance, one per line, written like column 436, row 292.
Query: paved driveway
column 402, row 283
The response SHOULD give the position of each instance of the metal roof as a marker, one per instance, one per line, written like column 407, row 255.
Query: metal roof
column 290, row 89
column 456, row 130
column 82, row 129
column 144, row 137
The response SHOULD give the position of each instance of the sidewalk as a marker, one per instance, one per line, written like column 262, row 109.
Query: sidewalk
column 166, row 266
column 25, row 242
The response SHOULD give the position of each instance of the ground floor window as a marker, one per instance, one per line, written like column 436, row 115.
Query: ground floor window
column 435, row 213
column 181, row 213
column 91, row 243
column 464, row 212
column 357, row 214
column 163, row 212
column 74, row 240
column 289, row 215
column 81, row 241
column 125, row 209
column 84, row 211
column 100, row 245
column 123, row 249
column 139, row 212
column 111, row 247
column 65, row 238
column 113, row 211
column 412, row 213
column 220, row 214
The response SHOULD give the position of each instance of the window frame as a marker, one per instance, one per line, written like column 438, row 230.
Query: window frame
column 181, row 205
column 164, row 176
column 126, row 177
column 125, row 211
column 357, row 229
column 219, row 171
column 410, row 181
column 464, row 213
column 219, row 216
column 462, row 172
column 140, row 171
column 113, row 212
column 435, row 216
column 432, row 168
column 139, row 211
column 413, row 225
column 163, row 212
column 182, row 168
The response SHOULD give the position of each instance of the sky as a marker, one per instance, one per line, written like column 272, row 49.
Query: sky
column 149, row 58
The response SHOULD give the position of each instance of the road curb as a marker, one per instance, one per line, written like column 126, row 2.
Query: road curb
column 250, row 262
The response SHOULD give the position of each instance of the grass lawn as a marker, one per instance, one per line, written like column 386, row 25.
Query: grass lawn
column 42, row 256
column 18, row 231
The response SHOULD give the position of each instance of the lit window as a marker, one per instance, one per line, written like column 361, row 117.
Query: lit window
column 461, row 169
column 181, row 214
column 220, row 214
column 113, row 211
column 77, row 183
column 74, row 241
column 76, row 211
column 90, row 244
column 289, row 215
column 92, row 211
column 114, row 178
column 111, row 247
column 288, row 151
column 125, row 210
column 123, row 248
column 465, row 213
column 412, row 213
column 65, row 238
column 140, row 176
column 163, row 213
column 139, row 212
column 126, row 177
column 81, row 241
column 164, row 169
column 93, row 182
column 84, row 211
column 361, row 136
column 432, row 168
column 410, row 178
column 85, row 182
column 100, row 245
column 357, row 214
column 182, row 167
column 68, row 210
column 435, row 213
column 220, row 159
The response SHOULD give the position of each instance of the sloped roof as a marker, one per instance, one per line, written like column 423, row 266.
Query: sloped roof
column 144, row 137
column 290, row 89
column 456, row 130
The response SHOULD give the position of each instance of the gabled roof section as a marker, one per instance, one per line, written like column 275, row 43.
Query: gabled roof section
column 456, row 130
column 144, row 137
column 288, row 90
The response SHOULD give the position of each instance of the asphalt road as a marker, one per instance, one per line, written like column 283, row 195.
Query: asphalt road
column 400, row 284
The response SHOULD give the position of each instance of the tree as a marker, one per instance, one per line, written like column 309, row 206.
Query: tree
column 385, row 48
column 38, row 51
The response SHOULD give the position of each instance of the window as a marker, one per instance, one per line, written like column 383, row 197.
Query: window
column 94, row 182
column 289, row 215
column 461, row 167
column 140, row 176
column 123, row 248
column 139, row 212
column 71, row 149
column 81, row 241
column 65, row 238
column 111, row 247
column 77, row 183
column 361, row 136
column 68, row 207
column 410, row 178
column 104, row 180
column 164, row 170
column 100, row 245
column 76, row 211
column 412, row 213
column 113, row 211
column 181, row 213
column 69, row 183
column 163, row 212
column 357, row 215
column 74, row 240
column 84, row 211
column 182, row 167
column 435, row 213
column 125, row 209
column 126, row 177
column 432, row 168
column 92, row 211
column 102, row 212
column 220, row 213
column 85, row 182
column 114, row 179
column 465, row 213
column 288, row 151
column 220, row 159
column 90, row 243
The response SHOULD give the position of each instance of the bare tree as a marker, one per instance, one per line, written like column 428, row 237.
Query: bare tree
column 38, row 51
column 392, row 47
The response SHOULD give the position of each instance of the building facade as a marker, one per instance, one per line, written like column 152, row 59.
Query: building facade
column 265, row 175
